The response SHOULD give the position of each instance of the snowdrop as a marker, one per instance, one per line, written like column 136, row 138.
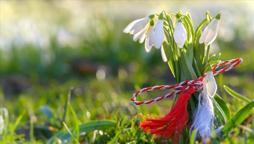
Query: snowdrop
column 136, row 26
column 180, row 35
column 210, row 32
column 204, row 116
column 152, row 35
column 155, row 37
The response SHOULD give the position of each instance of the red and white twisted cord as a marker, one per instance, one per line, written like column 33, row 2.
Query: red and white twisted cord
column 219, row 68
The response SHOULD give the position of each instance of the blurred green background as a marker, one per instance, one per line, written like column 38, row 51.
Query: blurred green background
column 47, row 47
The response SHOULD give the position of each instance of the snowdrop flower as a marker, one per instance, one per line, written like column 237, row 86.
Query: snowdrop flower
column 136, row 26
column 210, row 32
column 140, row 29
column 143, row 31
column 204, row 117
column 180, row 34
column 155, row 37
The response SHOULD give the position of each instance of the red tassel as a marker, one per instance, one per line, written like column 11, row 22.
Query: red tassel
column 171, row 125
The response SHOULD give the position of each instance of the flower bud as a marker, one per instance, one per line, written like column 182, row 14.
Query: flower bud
column 157, row 34
column 210, row 32
column 180, row 34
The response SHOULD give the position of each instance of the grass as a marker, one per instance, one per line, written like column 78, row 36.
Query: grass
column 99, row 110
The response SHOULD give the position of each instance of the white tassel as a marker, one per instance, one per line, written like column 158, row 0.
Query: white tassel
column 204, row 117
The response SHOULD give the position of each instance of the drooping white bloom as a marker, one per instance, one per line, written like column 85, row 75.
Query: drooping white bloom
column 210, row 32
column 180, row 34
column 141, row 35
column 136, row 26
column 142, row 31
column 156, row 36
column 204, row 117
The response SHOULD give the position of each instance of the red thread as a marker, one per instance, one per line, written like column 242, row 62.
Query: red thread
column 171, row 125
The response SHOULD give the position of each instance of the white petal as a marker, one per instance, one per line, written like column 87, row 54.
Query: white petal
column 150, row 36
column 140, row 35
column 163, row 54
column 210, row 86
column 180, row 34
column 157, row 34
column 136, row 25
column 148, row 47
column 211, row 36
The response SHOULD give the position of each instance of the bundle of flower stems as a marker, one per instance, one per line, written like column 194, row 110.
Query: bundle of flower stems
column 192, row 61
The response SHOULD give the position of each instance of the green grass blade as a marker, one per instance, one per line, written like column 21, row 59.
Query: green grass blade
column 96, row 125
column 193, row 136
column 235, row 94
column 239, row 117
column 83, row 128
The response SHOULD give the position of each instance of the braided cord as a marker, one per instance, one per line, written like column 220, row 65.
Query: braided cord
column 175, row 89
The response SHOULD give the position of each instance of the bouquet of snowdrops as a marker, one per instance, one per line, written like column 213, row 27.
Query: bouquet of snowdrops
column 187, row 51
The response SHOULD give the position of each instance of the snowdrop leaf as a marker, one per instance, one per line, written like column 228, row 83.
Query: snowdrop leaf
column 188, row 64
column 221, row 107
column 188, row 27
column 239, row 117
column 235, row 94
column 171, row 67
column 190, row 54
column 189, row 22
column 201, row 26
column 163, row 54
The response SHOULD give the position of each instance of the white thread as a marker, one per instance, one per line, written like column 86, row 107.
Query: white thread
column 204, row 117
